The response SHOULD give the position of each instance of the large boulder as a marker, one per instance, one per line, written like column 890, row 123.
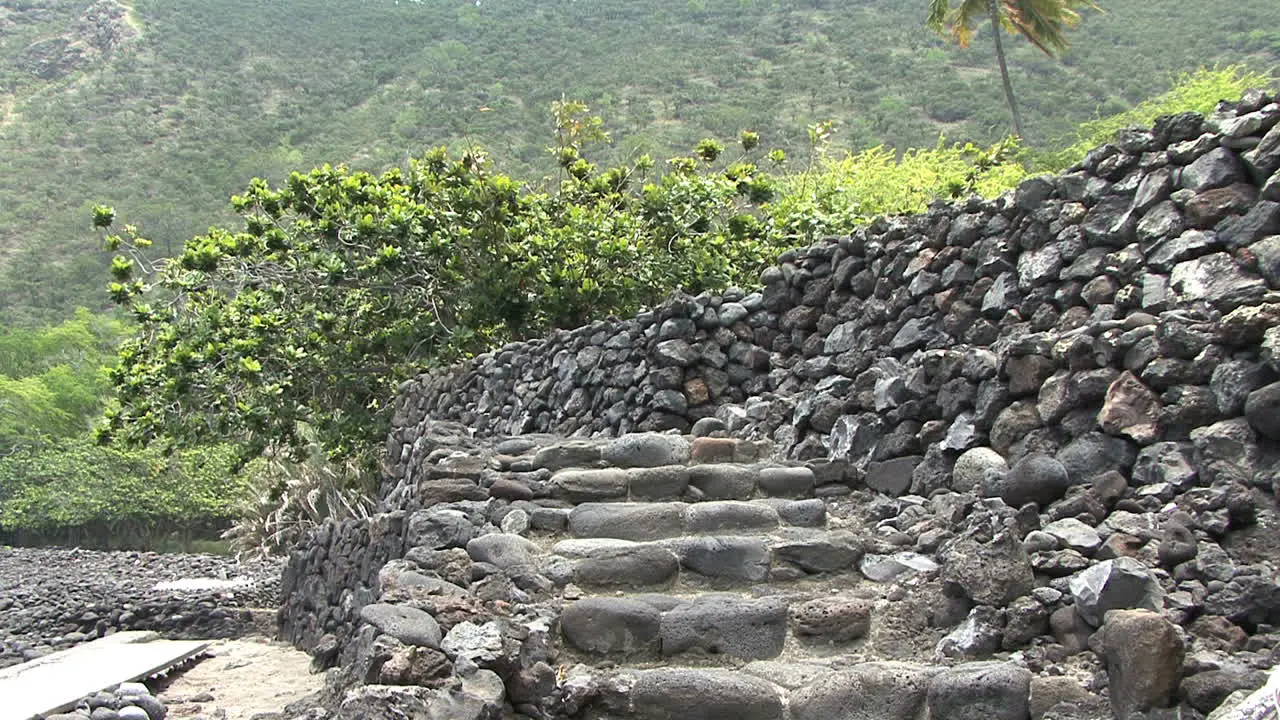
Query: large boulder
column 737, row 558
column 438, row 529
column 409, row 625
column 646, row 450
column 611, row 626
column 973, row 465
column 627, row 521
column 981, row 691
column 1144, row 653
column 832, row 551
column 685, row 694
column 579, row 486
column 1122, row 583
column 627, row 566
column 1262, row 408
column 744, row 628
column 866, row 691
column 729, row 515
column 503, row 550
column 1036, row 478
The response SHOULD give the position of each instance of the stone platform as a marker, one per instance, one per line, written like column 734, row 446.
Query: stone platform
column 56, row 682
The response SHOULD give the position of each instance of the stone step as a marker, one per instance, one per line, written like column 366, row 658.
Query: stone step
column 660, row 520
column 715, row 628
column 690, row 483
column 681, row 692
column 774, row 690
column 699, row 560
column 634, row 450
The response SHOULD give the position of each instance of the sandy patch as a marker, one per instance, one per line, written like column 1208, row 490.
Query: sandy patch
column 239, row 679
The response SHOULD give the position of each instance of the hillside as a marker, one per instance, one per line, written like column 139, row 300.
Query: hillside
column 166, row 107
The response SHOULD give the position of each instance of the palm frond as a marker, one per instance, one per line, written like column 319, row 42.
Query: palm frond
column 1044, row 23
column 959, row 21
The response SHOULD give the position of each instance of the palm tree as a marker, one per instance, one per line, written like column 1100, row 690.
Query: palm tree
column 1044, row 23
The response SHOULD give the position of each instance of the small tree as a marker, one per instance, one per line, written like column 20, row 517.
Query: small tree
column 340, row 285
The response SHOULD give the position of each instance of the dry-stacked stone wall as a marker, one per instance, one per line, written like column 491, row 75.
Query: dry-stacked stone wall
column 1148, row 271
column 335, row 574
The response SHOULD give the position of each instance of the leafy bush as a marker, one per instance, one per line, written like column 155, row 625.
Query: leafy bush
column 80, row 493
column 291, row 332
column 1199, row 91
column 340, row 285
column 837, row 194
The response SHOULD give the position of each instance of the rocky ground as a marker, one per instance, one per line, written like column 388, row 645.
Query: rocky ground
column 51, row 599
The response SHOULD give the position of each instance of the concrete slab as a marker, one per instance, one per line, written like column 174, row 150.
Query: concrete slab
column 56, row 682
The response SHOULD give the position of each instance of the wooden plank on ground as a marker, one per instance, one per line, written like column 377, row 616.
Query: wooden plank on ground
column 56, row 682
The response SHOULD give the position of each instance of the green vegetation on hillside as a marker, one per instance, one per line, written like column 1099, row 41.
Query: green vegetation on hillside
column 213, row 93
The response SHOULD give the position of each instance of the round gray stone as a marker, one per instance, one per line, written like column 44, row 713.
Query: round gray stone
column 627, row 521
column 409, row 625
column 611, row 626
column 867, row 691
column 729, row 515
column 744, row 628
column 646, row 450
column 981, row 691
column 439, row 529
column 972, row 466
column 502, row 550
column 690, row 694
column 1036, row 478
column 1262, row 409
column 737, row 558
column 626, row 566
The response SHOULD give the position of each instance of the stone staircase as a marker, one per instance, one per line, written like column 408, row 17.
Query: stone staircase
column 660, row 576
column 675, row 576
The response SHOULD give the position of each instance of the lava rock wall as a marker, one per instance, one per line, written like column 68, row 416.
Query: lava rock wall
column 334, row 574
column 1140, row 284
column 1064, row 401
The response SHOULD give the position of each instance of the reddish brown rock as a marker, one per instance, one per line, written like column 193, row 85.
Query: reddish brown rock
column 1131, row 409
column 1206, row 209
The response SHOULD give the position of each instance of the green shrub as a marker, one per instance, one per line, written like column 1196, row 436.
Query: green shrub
column 75, row 491
column 340, row 285
column 1199, row 91
column 837, row 194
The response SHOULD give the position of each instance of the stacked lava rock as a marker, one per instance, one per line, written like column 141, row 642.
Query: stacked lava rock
column 1027, row 452
column 126, row 701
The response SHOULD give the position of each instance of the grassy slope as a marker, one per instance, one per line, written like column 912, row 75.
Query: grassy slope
column 217, row 91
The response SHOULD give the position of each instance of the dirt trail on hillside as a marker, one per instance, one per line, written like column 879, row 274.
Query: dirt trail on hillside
column 239, row 679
